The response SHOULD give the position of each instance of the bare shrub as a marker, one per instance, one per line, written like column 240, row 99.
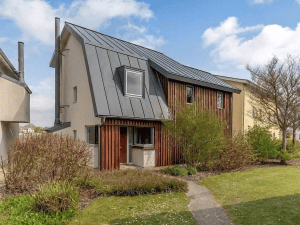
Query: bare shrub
column 237, row 154
column 36, row 159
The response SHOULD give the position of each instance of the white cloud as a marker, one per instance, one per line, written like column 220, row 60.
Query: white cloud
column 3, row 39
column 149, row 41
column 133, row 28
column 36, row 17
column 262, row 1
column 229, row 44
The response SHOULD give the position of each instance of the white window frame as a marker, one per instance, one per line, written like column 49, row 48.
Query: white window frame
column 142, row 83
column 189, row 86
column 143, row 145
column 222, row 94
column 74, row 94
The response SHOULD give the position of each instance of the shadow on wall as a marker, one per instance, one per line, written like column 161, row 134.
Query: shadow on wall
column 8, row 132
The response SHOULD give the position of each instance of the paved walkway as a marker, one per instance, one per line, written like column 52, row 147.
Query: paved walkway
column 204, row 208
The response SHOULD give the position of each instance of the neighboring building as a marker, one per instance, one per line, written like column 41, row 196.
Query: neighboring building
column 114, row 94
column 243, row 110
column 27, row 129
column 14, row 100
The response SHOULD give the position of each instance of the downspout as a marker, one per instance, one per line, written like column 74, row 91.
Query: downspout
column 57, row 71
column 231, row 113
column 21, row 61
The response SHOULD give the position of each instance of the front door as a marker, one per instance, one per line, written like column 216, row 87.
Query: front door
column 123, row 144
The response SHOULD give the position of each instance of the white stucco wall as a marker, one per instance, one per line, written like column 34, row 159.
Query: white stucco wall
column 80, row 113
column 8, row 133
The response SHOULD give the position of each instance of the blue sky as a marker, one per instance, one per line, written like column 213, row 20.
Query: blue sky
column 216, row 36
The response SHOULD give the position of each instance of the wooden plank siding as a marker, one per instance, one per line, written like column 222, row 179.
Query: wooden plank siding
column 166, row 153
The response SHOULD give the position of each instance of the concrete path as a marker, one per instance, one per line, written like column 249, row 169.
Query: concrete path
column 204, row 208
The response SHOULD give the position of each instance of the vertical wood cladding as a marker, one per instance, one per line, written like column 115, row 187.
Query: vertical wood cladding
column 167, row 153
column 110, row 144
column 176, row 92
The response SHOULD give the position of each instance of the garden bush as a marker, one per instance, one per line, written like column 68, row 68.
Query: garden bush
column 191, row 170
column 132, row 182
column 179, row 171
column 260, row 139
column 55, row 197
column 38, row 158
column 17, row 210
column 199, row 132
column 236, row 154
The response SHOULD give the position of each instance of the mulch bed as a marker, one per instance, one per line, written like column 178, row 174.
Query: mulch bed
column 269, row 163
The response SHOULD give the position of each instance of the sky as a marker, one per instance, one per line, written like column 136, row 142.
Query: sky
column 216, row 36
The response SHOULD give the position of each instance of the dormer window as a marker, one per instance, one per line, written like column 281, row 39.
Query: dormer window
column 134, row 83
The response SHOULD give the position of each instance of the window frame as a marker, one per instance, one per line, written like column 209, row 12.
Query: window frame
column 222, row 94
column 142, row 82
column 253, row 112
column 193, row 94
column 96, row 129
column 75, row 134
column 75, row 96
column 143, row 145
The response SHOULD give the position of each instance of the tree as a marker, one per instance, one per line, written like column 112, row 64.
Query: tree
column 295, row 124
column 275, row 89
column 199, row 132
column 37, row 129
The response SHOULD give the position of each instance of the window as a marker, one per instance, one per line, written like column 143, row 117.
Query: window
column 190, row 94
column 134, row 81
column 144, row 136
column 92, row 135
column 260, row 114
column 75, row 134
column 75, row 94
column 220, row 100
column 252, row 112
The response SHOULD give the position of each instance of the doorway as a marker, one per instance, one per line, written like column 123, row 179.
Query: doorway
column 123, row 144
column 126, row 143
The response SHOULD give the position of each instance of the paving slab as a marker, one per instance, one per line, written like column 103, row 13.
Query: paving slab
column 204, row 208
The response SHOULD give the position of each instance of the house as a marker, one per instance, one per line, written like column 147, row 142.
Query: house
column 14, row 100
column 114, row 94
column 244, row 110
column 27, row 129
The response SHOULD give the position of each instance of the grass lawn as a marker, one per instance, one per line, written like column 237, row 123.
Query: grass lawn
column 168, row 208
column 259, row 196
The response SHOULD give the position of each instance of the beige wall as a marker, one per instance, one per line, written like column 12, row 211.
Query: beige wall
column 8, row 132
column 80, row 113
column 241, row 115
column 14, row 102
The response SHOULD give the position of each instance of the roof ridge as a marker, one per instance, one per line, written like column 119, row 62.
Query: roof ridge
column 114, row 37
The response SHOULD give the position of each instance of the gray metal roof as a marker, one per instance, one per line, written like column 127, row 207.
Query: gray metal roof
column 164, row 64
column 57, row 127
column 107, row 88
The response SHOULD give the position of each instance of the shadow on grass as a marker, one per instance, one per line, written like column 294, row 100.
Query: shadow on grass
column 276, row 210
column 183, row 217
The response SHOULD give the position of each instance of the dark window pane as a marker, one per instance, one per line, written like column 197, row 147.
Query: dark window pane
column 144, row 135
column 91, row 135
column 134, row 83
column 190, row 93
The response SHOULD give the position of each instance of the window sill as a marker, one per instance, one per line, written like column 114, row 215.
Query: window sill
column 144, row 147
column 220, row 108
column 92, row 144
